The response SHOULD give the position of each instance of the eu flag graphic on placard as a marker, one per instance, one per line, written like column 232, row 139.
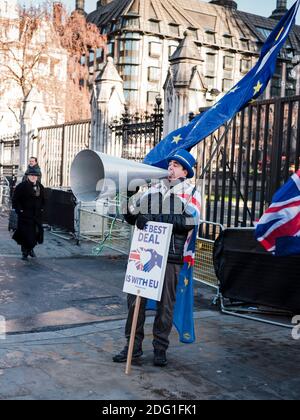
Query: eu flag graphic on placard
column 248, row 89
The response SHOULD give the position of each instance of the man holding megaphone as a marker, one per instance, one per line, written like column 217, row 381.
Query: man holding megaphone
column 164, row 202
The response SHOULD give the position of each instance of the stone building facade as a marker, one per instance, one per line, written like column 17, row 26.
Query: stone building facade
column 223, row 44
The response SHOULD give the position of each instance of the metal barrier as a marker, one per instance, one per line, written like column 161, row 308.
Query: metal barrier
column 4, row 194
column 101, row 224
column 204, row 271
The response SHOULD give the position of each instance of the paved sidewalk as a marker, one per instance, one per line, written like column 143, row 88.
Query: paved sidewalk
column 232, row 359
column 55, row 246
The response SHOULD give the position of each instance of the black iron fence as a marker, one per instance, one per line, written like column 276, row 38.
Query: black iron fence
column 258, row 151
column 134, row 135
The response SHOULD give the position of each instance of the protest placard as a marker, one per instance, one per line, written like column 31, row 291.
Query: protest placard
column 146, row 269
column 148, row 260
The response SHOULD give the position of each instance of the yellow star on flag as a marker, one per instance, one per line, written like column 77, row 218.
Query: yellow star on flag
column 177, row 139
column 257, row 88
column 186, row 282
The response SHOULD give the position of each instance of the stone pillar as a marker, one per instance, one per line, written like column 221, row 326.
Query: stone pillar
column 107, row 103
column 185, row 88
column 281, row 9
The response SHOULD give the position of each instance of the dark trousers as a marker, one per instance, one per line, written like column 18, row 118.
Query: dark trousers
column 164, row 313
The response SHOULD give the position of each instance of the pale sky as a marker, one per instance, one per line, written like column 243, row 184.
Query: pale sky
column 257, row 7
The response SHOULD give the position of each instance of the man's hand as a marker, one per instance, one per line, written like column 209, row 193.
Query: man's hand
column 142, row 221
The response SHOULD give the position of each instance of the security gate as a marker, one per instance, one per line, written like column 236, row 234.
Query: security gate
column 256, row 153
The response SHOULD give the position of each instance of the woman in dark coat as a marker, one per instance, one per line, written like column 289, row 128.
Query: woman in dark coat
column 29, row 202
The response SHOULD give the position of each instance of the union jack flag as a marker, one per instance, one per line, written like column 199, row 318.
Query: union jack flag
column 135, row 256
column 279, row 228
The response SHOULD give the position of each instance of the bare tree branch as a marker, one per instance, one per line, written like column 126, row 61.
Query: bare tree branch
column 27, row 59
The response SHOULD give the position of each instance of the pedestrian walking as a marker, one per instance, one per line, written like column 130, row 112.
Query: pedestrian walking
column 163, row 203
column 29, row 202
column 33, row 163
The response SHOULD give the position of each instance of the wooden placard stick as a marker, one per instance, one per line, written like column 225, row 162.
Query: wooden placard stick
column 132, row 335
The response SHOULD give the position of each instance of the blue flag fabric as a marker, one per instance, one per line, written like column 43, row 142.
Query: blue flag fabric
column 184, row 307
column 247, row 90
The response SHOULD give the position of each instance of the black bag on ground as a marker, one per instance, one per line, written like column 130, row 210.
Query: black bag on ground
column 13, row 221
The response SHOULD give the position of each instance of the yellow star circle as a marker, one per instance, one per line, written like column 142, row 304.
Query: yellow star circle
column 177, row 139
column 257, row 88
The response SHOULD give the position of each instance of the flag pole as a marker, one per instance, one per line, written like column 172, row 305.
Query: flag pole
column 207, row 166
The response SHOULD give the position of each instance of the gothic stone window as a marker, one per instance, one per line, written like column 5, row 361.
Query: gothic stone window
column 111, row 48
column 228, row 62
column 131, row 96
column 193, row 32
column 227, row 40
column 129, row 22
column 227, row 84
column 245, row 65
column 155, row 49
column 130, row 75
column 154, row 74
column 245, row 44
column 129, row 50
column 154, row 26
column 174, row 30
column 210, row 64
column 210, row 37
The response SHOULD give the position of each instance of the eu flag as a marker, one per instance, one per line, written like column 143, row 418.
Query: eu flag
column 247, row 90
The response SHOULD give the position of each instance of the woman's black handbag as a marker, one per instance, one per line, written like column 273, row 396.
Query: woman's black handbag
column 13, row 221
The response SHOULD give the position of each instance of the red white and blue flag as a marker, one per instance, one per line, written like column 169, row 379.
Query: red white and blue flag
column 279, row 228
column 184, row 307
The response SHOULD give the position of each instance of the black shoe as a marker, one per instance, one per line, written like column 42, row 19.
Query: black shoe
column 25, row 257
column 32, row 254
column 160, row 358
column 122, row 356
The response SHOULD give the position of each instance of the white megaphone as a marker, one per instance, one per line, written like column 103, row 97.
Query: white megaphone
column 95, row 175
